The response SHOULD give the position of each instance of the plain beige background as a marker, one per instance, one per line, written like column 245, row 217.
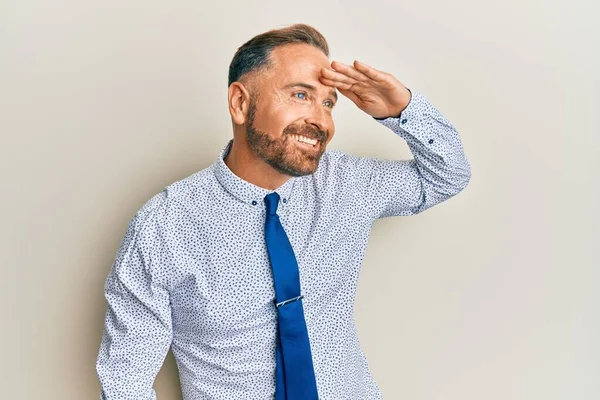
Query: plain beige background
column 492, row 295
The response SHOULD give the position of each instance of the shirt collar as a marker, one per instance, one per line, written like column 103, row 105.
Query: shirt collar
column 245, row 191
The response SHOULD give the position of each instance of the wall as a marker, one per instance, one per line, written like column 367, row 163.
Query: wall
column 492, row 294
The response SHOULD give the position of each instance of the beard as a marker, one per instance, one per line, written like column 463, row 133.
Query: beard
column 282, row 153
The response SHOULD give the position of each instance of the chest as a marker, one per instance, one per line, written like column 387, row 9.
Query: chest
column 224, row 284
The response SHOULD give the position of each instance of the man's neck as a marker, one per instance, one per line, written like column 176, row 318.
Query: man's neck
column 246, row 165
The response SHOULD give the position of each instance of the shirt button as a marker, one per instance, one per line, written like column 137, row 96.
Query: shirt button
column 404, row 121
column 254, row 202
column 284, row 200
column 430, row 141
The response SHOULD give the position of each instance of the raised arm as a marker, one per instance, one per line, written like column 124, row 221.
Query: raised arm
column 439, row 169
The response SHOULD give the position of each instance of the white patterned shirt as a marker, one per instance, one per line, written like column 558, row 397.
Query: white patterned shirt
column 193, row 274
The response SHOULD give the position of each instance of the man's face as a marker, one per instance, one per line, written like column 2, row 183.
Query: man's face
column 292, row 107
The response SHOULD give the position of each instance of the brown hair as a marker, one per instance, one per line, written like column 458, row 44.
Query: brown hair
column 255, row 53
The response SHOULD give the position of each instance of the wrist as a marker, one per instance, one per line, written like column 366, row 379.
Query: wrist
column 398, row 112
column 408, row 97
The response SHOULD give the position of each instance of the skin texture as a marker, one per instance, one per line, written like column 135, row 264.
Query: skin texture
column 296, row 94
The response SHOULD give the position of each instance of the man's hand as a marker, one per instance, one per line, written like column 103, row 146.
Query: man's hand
column 375, row 92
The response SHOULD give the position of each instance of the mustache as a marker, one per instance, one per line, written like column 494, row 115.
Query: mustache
column 308, row 131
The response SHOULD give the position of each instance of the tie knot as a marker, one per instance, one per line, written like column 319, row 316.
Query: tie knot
column 272, row 201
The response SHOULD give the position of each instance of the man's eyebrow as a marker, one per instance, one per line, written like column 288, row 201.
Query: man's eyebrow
column 310, row 87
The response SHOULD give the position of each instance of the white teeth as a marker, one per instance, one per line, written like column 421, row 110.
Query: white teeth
column 304, row 139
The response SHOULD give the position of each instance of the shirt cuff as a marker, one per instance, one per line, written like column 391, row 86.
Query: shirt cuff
column 411, row 124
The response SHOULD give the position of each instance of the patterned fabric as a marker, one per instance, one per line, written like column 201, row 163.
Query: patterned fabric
column 193, row 271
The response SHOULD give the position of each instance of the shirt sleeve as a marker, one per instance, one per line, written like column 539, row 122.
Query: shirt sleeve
column 137, row 332
column 439, row 170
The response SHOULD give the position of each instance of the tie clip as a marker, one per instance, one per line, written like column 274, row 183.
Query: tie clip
column 283, row 303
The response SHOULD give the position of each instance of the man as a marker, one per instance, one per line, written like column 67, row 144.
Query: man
column 248, row 269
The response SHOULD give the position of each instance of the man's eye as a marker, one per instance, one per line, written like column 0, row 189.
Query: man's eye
column 300, row 94
column 329, row 103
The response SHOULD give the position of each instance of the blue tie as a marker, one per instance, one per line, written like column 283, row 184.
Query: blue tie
column 295, row 375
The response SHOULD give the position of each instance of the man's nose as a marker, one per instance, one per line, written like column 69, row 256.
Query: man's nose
column 318, row 117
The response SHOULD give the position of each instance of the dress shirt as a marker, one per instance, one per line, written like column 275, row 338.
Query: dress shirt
column 193, row 274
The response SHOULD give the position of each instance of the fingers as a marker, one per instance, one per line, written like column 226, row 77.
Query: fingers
column 337, row 76
column 349, row 71
column 336, row 84
column 372, row 73
column 360, row 72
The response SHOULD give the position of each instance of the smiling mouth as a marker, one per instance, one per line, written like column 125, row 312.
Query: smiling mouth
column 304, row 141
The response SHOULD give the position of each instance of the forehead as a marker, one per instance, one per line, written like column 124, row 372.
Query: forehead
column 297, row 62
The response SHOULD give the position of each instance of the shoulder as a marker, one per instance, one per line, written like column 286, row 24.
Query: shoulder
column 191, row 188
column 166, row 207
column 336, row 165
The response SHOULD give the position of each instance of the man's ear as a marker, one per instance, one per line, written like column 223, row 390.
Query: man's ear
column 239, row 102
